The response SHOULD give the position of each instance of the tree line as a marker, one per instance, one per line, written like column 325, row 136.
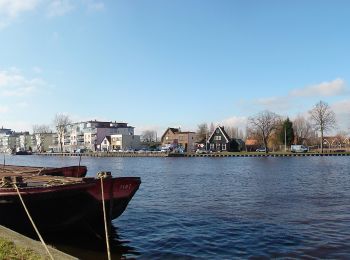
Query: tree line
column 271, row 129
column 268, row 128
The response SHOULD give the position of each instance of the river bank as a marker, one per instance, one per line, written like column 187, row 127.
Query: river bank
column 216, row 154
column 17, row 246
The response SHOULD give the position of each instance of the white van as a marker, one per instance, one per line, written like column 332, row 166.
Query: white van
column 299, row 149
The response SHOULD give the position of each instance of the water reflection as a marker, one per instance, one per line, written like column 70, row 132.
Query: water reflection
column 87, row 245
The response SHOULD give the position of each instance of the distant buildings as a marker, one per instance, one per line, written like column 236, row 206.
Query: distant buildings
column 88, row 135
column 98, row 136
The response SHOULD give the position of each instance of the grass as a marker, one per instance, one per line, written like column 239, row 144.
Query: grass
column 8, row 250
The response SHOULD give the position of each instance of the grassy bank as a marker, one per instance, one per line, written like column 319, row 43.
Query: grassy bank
column 15, row 246
column 8, row 250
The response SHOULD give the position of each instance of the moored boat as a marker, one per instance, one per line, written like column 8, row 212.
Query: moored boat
column 23, row 153
column 59, row 203
column 68, row 171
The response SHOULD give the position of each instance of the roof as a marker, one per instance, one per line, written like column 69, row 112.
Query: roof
column 108, row 137
column 174, row 130
column 239, row 141
column 251, row 142
column 221, row 128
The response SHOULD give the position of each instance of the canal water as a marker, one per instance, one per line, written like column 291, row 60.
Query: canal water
column 222, row 208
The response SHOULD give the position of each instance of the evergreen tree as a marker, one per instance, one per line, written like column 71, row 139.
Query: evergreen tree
column 286, row 133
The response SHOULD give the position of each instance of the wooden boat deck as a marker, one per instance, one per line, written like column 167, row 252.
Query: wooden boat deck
column 28, row 176
column 15, row 170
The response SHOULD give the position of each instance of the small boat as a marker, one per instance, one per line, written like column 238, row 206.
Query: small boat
column 23, row 153
column 58, row 202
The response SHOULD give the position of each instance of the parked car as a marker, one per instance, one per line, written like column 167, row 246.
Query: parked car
column 165, row 149
column 201, row 151
column 299, row 149
column 261, row 150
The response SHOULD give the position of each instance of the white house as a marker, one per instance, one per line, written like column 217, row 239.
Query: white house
column 120, row 142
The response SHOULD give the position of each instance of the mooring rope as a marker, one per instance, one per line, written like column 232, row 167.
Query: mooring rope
column 31, row 220
column 105, row 218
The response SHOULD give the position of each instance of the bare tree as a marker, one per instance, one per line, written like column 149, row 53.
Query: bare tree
column 323, row 119
column 61, row 121
column 202, row 132
column 302, row 130
column 212, row 128
column 40, row 131
column 231, row 131
column 264, row 125
column 149, row 136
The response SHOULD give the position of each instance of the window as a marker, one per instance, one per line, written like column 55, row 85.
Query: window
column 224, row 147
column 218, row 146
column 217, row 137
column 212, row 146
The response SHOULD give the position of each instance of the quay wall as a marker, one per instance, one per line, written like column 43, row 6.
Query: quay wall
column 266, row 155
column 224, row 154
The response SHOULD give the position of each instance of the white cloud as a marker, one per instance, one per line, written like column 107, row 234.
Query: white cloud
column 342, row 106
column 59, row 7
column 298, row 96
column 94, row 6
column 274, row 103
column 324, row 89
column 13, row 83
column 342, row 110
column 11, row 9
column 3, row 109
column 235, row 121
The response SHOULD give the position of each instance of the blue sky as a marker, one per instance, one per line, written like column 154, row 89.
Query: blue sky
column 158, row 64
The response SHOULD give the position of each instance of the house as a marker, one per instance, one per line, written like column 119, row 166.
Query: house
column 251, row 145
column 106, row 143
column 219, row 141
column 174, row 137
column 120, row 142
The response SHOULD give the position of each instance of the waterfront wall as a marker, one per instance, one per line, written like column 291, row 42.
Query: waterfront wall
column 161, row 154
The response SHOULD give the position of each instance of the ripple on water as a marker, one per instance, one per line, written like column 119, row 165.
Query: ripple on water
column 224, row 208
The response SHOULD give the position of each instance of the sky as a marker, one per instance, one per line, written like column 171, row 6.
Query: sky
column 156, row 63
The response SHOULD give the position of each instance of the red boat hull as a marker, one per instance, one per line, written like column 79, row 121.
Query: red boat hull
column 65, row 207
